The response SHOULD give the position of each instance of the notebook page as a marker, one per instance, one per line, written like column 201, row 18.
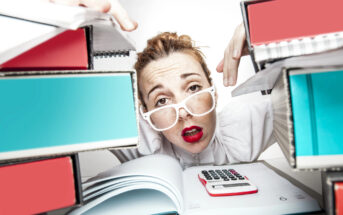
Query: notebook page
column 136, row 197
column 161, row 167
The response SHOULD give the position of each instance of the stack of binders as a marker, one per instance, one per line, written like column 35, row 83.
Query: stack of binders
column 299, row 58
column 60, row 94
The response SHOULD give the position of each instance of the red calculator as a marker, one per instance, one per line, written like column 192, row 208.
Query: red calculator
column 225, row 182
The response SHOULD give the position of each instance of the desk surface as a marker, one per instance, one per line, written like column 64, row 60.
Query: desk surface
column 309, row 181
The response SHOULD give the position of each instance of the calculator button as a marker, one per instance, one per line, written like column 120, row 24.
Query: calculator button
column 241, row 178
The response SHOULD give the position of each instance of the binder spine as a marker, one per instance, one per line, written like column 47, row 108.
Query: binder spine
column 296, row 47
column 118, row 60
column 109, row 54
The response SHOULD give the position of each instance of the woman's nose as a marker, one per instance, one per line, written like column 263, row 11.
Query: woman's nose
column 183, row 114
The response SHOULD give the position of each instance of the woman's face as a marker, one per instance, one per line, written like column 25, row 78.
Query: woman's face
column 170, row 80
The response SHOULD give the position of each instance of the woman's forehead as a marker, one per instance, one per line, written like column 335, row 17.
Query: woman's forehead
column 173, row 66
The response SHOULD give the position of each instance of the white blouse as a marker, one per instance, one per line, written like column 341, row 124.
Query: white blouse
column 243, row 132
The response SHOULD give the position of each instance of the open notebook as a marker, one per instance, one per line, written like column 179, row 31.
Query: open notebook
column 146, row 186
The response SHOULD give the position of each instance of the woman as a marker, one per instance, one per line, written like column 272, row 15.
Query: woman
column 178, row 109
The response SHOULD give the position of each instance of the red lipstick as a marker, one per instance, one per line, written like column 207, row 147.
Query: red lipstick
column 192, row 134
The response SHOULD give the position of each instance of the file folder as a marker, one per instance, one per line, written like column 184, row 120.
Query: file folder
column 39, row 186
column 278, row 29
column 61, row 112
column 67, row 50
column 307, row 109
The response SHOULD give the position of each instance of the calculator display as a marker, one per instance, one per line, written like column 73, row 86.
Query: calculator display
column 230, row 185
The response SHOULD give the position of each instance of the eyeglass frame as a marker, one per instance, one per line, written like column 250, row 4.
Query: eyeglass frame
column 177, row 107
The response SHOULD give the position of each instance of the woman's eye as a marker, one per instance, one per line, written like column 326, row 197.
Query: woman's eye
column 194, row 88
column 161, row 102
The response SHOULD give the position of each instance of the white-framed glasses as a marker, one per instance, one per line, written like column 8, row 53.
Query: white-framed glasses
column 197, row 104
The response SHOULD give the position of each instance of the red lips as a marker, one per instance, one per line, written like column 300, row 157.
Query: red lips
column 192, row 134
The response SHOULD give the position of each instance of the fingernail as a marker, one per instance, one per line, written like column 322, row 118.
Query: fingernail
column 128, row 24
column 235, row 53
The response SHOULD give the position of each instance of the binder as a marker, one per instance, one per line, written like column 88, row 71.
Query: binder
column 39, row 186
column 42, row 22
column 67, row 50
column 279, row 28
column 307, row 109
column 46, row 113
column 332, row 192
column 339, row 197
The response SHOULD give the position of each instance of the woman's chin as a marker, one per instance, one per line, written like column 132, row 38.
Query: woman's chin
column 196, row 148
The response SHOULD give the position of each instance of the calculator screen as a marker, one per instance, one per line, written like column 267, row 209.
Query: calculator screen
column 230, row 185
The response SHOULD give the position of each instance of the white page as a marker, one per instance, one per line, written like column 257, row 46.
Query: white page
column 101, row 186
column 270, row 198
column 162, row 167
column 142, row 181
column 150, row 184
column 134, row 203
column 101, row 205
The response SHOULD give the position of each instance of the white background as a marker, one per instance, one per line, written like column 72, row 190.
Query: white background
column 210, row 23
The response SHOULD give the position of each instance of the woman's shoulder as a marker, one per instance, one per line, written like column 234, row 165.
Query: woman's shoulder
column 236, row 108
column 238, row 116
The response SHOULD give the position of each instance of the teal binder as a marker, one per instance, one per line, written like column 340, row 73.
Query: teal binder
column 64, row 113
column 317, row 106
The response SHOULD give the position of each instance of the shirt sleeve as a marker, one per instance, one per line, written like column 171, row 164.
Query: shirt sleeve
column 245, row 130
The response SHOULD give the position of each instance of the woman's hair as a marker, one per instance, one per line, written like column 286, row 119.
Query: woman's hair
column 167, row 43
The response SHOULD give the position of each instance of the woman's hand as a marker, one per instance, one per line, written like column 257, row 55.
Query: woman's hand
column 107, row 6
column 234, row 51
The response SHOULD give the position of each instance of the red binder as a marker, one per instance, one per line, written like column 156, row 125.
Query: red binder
column 339, row 198
column 67, row 50
column 280, row 20
column 36, row 187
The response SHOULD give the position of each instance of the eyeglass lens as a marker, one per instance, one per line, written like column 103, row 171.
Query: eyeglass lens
column 197, row 104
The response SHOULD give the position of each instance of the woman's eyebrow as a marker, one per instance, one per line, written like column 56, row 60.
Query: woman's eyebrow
column 154, row 88
column 185, row 75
